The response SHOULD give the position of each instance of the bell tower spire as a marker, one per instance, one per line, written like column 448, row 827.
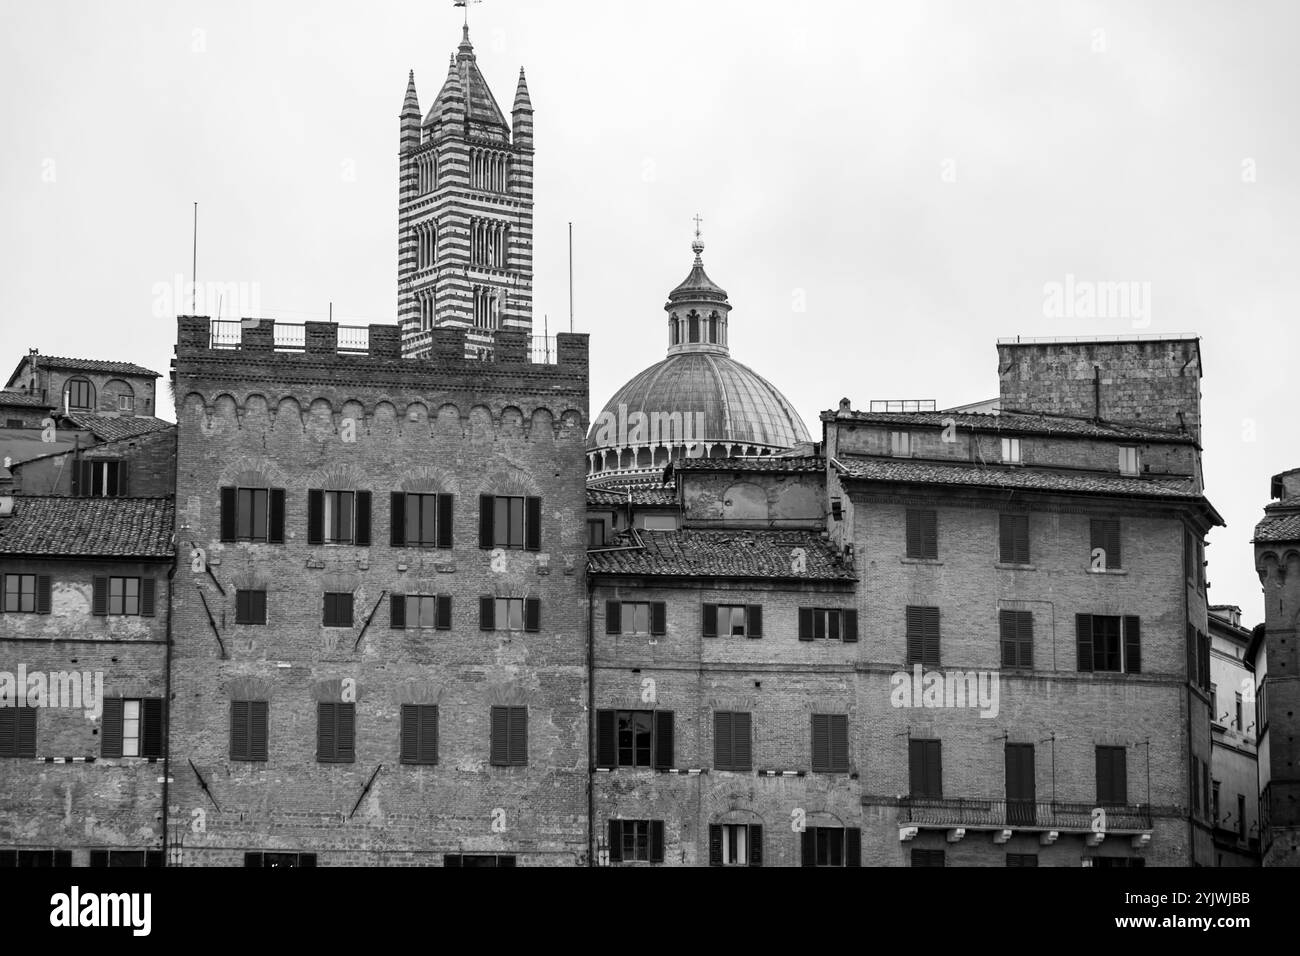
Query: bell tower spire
column 698, row 309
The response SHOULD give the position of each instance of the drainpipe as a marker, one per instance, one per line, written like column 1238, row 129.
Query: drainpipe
column 167, row 710
column 591, row 723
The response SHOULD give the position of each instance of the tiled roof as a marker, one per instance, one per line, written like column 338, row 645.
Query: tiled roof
column 1281, row 521
column 89, row 527
column 15, row 399
column 1021, row 424
column 924, row 472
column 646, row 497
column 91, row 365
column 735, row 554
column 773, row 463
column 117, row 427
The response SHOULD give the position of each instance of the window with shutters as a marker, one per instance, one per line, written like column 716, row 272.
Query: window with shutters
column 922, row 535
column 126, row 858
column 123, row 596
column 43, row 859
column 509, row 745
column 339, row 516
column 422, row 520
column 632, row 841
column 1237, row 710
column 1109, row 643
column 419, row 733
column 922, row 857
column 252, row 514
column 1112, row 776
column 478, row 859
column 732, row 744
column 248, row 729
column 735, row 844
column 735, row 620
column 79, row 395
column 1214, row 801
column 336, row 732
column 1129, row 461
column 510, row 521
column 922, row 635
column 17, row 731
column 900, row 444
column 132, row 727
column 100, row 479
column 636, row 617
column 420, row 611
column 1022, row 859
column 1203, row 659
column 828, row 624
column 1013, row 539
column 510, row 614
column 830, row 743
column 1017, row 636
column 250, row 606
column 338, row 609
column 1011, row 451
column 1106, row 552
column 925, row 768
column 26, row 594
column 634, row 738
column 280, row 859
column 831, row 846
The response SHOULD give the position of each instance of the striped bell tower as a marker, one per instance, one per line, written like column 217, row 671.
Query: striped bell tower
column 465, row 211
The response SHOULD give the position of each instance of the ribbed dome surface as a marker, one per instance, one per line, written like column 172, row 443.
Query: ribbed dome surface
column 738, row 404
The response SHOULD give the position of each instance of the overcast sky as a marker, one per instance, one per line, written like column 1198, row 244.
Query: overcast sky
column 910, row 175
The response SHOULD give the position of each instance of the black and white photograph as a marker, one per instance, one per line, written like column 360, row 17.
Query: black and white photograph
column 548, row 433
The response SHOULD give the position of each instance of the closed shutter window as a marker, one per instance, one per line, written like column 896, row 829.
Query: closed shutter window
column 1105, row 538
column 923, row 535
column 17, row 731
column 248, row 730
column 922, row 635
column 830, row 743
column 731, row 740
column 419, row 734
column 1017, row 636
column 335, row 732
column 925, row 758
column 1013, row 539
column 509, row 736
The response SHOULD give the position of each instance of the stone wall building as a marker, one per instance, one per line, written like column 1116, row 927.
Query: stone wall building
column 381, row 598
column 1234, row 762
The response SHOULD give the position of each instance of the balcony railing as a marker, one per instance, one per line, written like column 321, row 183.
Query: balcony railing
column 1019, row 815
column 902, row 404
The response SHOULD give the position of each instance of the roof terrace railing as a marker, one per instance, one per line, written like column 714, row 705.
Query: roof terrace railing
column 903, row 405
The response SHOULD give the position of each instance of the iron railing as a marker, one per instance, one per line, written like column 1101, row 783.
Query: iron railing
column 1021, row 814
column 903, row 405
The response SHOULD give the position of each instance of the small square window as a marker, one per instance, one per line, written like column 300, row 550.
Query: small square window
column 1128, row 461
column 1011, row 451
column 900, row 444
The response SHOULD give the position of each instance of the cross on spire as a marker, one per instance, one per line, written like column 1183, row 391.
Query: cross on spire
column 698, row 220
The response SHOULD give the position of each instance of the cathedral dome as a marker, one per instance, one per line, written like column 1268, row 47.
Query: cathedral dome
column 698, row 402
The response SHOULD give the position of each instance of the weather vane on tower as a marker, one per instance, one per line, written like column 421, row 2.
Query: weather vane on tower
column 464, row 4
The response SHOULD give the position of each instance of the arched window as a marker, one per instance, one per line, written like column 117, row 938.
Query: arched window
column 674, row 338
column 79, row 395
column 121, row 395
column 713, row 327
column 693, row 326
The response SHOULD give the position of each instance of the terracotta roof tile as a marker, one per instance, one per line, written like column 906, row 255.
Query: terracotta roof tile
column 117, row 427
column 1021, row 424
column 89, row 527
column 735, row 554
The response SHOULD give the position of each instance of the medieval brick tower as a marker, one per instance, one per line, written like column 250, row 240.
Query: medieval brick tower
column 465, row 211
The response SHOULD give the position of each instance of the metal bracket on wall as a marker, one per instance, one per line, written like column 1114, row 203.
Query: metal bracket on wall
column 204, row 784
column 366, row 788
column 211, row 620
column 370, row 617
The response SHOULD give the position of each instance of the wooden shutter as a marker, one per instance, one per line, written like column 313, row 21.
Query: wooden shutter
column 147, row 588
column 850, row 631
column 616, row 841
column 151, row 720
column 1105, row 535
column 486, row 531
column 26, row 731
column 606, row 739
column 1006, row 539
column 613, row 617
column 715, row 844
column 1103, row 775
column 532, row 614
column 754, row 621
column 446, row 521
column 42, row 594
column 347, row 730
column 723, row 753
column 258, row 729
column 442, row 613
column 806, row 623
column 326, row 733
column 658, row 618
column 315, row 516
column 533, row 524
column 1020, row 540
column 1007, row 635
column 397, row 519
column 915, row 545
column 839, row 725
column 916, row 768
column 99, row 598
column 397, row 611
column 656, row 841
column 239, row 730
column 710, row 620
column 756, row 844
column 853, row 846
column 487, row 612
column 228, row 510
column 8, row 735
column 363, row 519
column 1083, row 641
column 931, row 618
column 808, row 847
column 428, row 717
column 663, row 739
column 741, row 745
column 930, row 534
column 275, row 526
column 410, row 734
column 821, row 741
column 111, row 728
column 500, row 737
column 518, row 742
column 1133, row 645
